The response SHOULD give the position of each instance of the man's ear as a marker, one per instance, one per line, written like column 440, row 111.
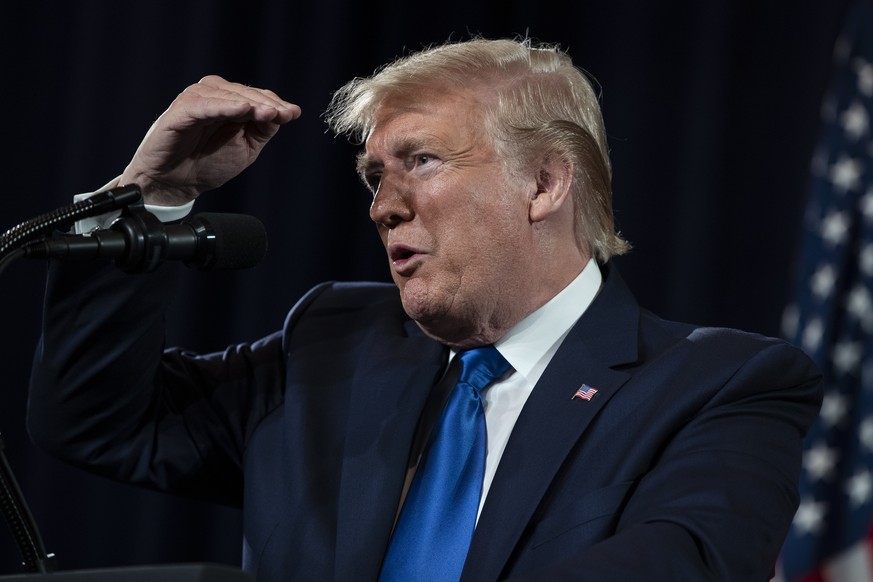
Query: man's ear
column 553, row 181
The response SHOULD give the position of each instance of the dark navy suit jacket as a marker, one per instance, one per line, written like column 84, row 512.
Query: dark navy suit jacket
column 682, row 467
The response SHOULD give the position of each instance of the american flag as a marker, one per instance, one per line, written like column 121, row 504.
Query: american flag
column 831, row 318
column 585, row 392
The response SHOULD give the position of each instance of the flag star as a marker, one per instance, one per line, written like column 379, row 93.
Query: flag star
column 845, row 174
column 812, row 335
column 865, row 433
column 810, row 516
column 847, row 357
column 823, row 281
column 855, row 120
column 835, row 228
column 859, row 304
column 865, row 77
column 819, row 461
column 859, row 487
column 833, row 410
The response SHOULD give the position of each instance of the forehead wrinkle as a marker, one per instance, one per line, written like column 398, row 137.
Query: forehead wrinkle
column 407, row 144
column 400, row 143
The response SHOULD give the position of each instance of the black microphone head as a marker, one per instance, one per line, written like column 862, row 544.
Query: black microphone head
column 227, row 241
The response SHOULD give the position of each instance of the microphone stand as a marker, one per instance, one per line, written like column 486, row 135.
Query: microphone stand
column 147, row 244
column 12, row 503
column 21, row 522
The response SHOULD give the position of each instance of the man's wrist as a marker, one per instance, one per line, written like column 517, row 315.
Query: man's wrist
column 163, row 213
column 170, row 213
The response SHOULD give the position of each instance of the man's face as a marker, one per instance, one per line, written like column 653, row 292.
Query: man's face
column 455, row 226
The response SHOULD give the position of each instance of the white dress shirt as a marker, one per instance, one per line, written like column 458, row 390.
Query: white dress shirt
column 163, row 213
column 529, row 347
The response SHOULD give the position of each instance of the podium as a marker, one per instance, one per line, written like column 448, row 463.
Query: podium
column 168, row 573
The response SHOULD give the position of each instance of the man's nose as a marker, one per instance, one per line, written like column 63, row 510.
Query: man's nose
column 391, row 204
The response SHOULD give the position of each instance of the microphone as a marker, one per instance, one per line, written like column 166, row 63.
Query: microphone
column 140, row 242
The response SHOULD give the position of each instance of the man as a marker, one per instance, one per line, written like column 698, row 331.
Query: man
column 619, row 446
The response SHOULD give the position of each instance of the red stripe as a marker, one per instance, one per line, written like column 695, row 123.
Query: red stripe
column 814, row 577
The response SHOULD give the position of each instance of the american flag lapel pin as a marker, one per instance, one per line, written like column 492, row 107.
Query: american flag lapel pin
column 585, row 392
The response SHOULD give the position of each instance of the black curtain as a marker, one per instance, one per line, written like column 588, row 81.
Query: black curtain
column 712, row 111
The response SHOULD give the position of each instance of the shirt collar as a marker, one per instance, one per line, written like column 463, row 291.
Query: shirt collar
column 530, row 345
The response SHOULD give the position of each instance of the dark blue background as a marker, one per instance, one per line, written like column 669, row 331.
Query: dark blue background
column 712, row 114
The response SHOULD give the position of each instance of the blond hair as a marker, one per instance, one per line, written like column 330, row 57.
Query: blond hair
column 536, row 104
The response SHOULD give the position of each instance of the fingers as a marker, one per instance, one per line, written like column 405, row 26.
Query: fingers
column 263, row 100
column 216, row 98
column 212, row 131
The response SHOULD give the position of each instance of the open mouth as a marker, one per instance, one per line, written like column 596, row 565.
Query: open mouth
column 400, row 253
column 404, row 260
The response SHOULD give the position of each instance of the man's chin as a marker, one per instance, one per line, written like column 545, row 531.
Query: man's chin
column 435, row 317
column 434, row 322
column 451, row 331
column 425, row 318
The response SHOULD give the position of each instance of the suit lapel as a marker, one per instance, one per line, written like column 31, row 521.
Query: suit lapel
column 388, row 394
column 551, row 423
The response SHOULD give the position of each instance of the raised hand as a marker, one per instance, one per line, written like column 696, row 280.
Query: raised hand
column 210, row 133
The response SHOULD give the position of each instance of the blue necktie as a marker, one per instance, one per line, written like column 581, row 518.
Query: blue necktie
column 436, row 523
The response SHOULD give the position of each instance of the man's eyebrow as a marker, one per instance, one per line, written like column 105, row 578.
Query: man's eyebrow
column 365, row 164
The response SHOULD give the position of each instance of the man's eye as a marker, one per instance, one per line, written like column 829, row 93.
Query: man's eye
column 373, row 181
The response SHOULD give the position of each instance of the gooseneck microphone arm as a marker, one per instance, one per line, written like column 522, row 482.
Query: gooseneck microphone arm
column 63, row 218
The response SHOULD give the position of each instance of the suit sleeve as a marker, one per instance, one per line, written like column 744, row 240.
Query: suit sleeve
column 719, row 497
column 105, row 395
